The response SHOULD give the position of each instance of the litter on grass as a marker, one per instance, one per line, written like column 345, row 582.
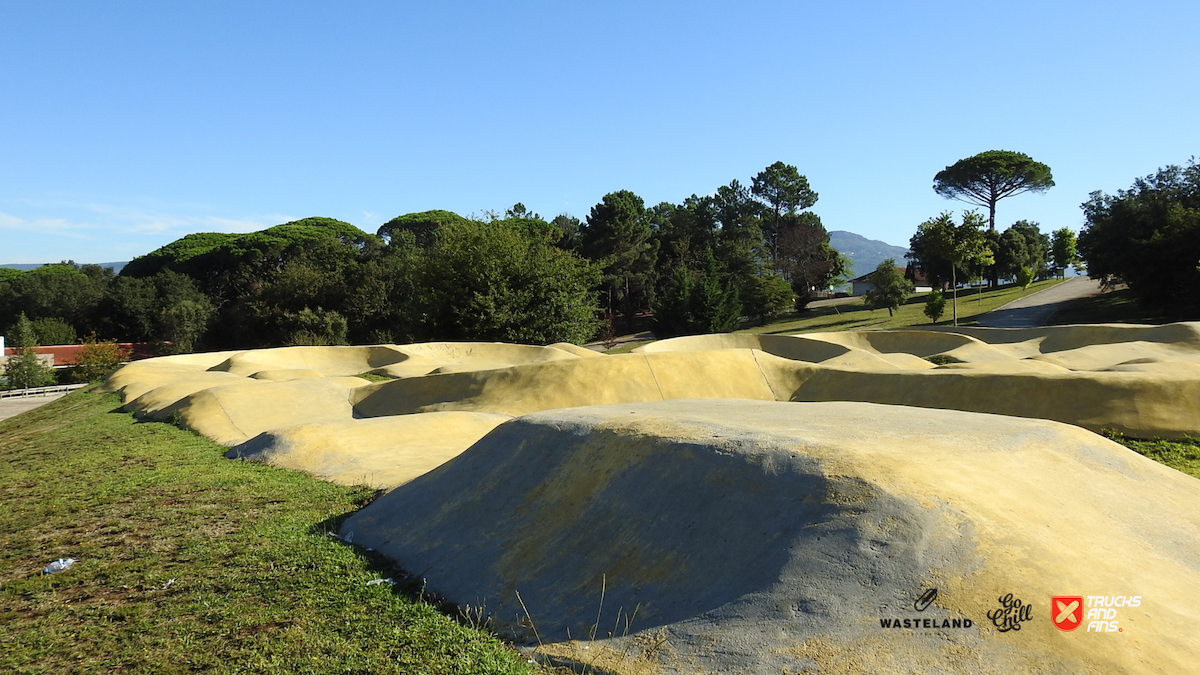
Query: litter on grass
column 59, row 565
column 377, row 582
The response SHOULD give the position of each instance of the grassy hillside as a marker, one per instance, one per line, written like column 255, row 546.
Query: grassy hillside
column 189, row 562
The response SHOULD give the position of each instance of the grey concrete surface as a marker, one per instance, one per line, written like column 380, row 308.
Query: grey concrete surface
column 1036, row 309
column 11, row 407
column 765, row 537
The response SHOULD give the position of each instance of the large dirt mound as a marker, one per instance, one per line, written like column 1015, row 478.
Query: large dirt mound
column 768, row 537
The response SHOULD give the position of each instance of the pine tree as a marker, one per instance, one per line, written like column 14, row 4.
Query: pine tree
column 24, row 369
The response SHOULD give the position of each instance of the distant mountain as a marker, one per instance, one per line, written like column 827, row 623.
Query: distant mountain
column 866, row 254
column 116, row 266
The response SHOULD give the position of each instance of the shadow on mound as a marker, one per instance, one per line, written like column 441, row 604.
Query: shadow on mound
column 676, row 525
column 765, row 536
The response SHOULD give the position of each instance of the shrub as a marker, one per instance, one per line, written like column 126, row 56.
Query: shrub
column 98, row 359
column 935, row 305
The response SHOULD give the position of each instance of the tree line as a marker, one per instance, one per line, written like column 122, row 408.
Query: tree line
column 699, row 266
column 703, row 265
column 1146, row 237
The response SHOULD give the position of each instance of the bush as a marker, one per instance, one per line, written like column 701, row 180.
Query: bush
column 495, row 281
column 53, row 332
column 765, row 297
column 1024, row 277
column 318, row 328
column 1148, row 236
column 935, row 306
column 98, row 359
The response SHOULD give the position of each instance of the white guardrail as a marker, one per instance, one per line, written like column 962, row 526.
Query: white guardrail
column 40, row 391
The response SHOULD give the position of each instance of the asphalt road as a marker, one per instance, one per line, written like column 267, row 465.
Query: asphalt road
column 11, row 407
column 1035, row 310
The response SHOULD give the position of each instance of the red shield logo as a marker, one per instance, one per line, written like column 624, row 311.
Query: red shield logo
column 1066, row 611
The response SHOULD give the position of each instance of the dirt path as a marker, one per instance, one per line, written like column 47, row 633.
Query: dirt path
column 1035, row 310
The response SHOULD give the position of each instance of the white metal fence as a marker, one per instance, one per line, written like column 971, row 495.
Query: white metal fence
column 40, row 391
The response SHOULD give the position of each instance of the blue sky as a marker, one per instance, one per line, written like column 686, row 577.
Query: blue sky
column 124, row 126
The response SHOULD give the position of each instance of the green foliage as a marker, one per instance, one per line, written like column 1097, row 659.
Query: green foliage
column 617, row 236
column 805, row 256
column 782, row 191
column 421, row 226
column 782, row 188
column 988, row 177
column 227, row 267
column 24, row 370
column 1037, row 247
column 889, row 289
column 59, row 291
column 568, row 226
column 697, row 301
column 1064, row 250
column 381, row 297
column 940, row 244
column 765, row 297
column 519, row 212
column 935, row 305
column 167, row 306
column 313, row 328
column 130, row 307
column 97, row 359
column 179, row 255
column 1149, row 237
column 1012, row 252
column 184, row 322
column 857, row 316
column 53, row 331
column 493, row 281
column 1025, row 277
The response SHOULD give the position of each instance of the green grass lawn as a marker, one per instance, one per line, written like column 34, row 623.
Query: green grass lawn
column 189, row 562
column 856, row 316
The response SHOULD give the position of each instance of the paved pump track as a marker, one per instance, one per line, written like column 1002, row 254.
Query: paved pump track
column 756, row 504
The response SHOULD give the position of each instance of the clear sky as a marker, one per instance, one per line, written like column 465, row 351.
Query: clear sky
column 125, row 125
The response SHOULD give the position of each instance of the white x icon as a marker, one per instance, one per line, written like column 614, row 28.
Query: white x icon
column 1065, row 611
